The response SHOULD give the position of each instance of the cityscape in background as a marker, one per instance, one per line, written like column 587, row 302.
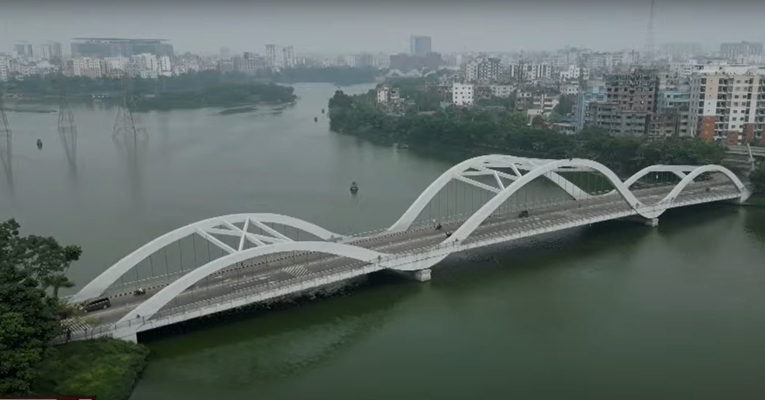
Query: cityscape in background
column 677, row 89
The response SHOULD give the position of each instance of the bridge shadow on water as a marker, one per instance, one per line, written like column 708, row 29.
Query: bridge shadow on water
column 268, row 344
column 261, row 346
column 568, row 249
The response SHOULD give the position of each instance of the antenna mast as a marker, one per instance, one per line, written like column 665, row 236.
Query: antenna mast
column 649, row 42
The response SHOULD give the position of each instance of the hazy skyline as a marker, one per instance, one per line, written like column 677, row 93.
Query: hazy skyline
column 340, row 26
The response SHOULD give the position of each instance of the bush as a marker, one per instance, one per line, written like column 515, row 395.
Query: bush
column 757, row 177
column 105, row 368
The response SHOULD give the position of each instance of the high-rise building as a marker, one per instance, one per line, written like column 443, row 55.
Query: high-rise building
column 681, row 51
column 484, row 70
column 288, row 55
column 630, row 103
column 733, row 51
column 594, row 92
column 51, row 51
column 23, row 49
column 728, row 103
column 165, row 66
column 419, row 45
column 531, row 72
column 271, row 55
column 87, row 66
column 250, row 64
column 115, row 66
column 145, row 62
column 115, row 47
column 365, row 60
column 4, row 65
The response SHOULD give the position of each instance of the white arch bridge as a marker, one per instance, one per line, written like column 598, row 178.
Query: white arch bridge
column 235, row 260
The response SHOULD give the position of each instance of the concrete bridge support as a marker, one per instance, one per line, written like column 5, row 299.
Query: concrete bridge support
column 652, row 222
column 422, row 275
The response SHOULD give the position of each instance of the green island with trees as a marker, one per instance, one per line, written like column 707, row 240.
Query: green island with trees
column 194, row 90
column 32, row 270
column 466, row 132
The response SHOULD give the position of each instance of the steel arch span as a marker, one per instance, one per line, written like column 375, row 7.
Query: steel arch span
column 645, row 210
column 206, row 229
column 524, row 172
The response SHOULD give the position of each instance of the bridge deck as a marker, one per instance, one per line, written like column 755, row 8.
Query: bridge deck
column 258, row 276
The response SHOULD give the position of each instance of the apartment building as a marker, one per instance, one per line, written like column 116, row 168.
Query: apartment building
column 732, row 51
column 483, row 70
column 463, row 94
column 87, row 66
column 502, row 90
column 386, row 93
column 727, row 103
column 4, row 66
column 630, row 103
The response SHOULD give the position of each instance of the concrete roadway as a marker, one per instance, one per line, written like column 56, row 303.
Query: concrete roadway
column 242, row 279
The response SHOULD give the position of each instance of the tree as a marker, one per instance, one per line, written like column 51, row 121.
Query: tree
column 28, row 317
column 537, row 121
column 565, row 104
column 757, row 177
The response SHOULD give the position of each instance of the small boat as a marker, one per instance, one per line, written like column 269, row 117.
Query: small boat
column 402, row 146
column 354, row 187
column 322, row 111
column 315, row 119
column 39, row 144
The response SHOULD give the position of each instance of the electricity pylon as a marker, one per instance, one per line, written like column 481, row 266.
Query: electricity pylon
column 67, row 130
column 126, row 126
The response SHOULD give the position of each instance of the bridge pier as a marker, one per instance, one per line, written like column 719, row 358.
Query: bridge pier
column 652, row 222
column 422, row 275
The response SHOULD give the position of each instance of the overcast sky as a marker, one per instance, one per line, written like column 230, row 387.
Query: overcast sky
column 384, row 25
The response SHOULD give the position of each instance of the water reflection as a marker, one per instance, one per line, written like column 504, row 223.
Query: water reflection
column 6, row 158
column 265, row 349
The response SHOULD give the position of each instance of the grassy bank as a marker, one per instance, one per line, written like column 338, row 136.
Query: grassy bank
column 105, row 368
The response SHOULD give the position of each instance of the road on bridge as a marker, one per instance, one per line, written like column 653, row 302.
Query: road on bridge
column 254, row 274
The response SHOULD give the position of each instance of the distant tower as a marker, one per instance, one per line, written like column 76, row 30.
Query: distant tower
column 67, row 130
column 649, row 45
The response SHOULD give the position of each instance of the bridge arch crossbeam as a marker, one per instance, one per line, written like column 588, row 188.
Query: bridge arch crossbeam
column 484, row 165
column 689, row 178
column 647, row 211
column 155, row 303
column 223, row 225
column 487, row 209
column 679, row 170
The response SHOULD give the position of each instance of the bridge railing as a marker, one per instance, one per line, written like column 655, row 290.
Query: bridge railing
column 423, row 224
column 437, row 251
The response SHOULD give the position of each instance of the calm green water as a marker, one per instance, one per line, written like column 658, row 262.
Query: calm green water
column 613, row 311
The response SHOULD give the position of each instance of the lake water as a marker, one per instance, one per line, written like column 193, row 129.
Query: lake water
column 616, row 310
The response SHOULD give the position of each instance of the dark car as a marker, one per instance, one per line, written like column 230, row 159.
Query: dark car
column 97, row 304
column 523, row 214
